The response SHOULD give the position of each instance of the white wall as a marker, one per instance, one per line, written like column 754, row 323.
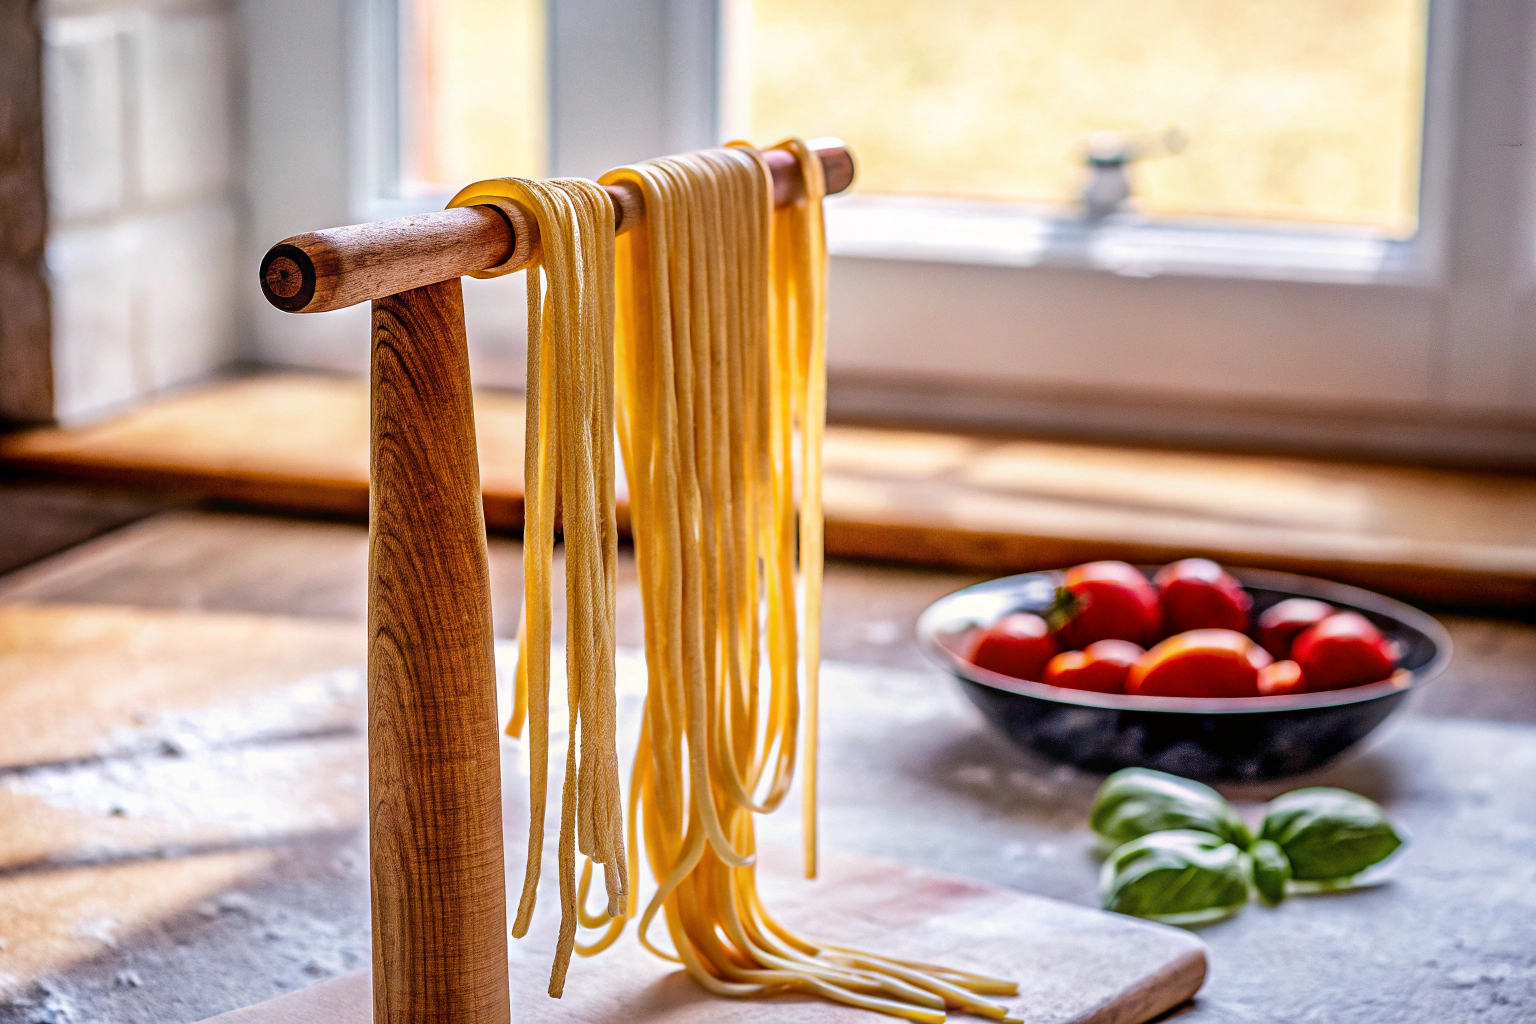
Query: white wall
column 141, row 153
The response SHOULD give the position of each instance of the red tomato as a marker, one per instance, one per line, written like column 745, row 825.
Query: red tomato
column 1282, row 623
column 1196, row 593
column 1200, row 663
column 1101, row 667
column 1343, row 650
column 1281, row 678
column 1105, row 601
column 1017, row 645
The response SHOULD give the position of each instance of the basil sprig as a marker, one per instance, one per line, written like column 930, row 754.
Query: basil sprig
column 1182, row 854
column 1135, row 802
column 1329, row 835
column 1182, row 877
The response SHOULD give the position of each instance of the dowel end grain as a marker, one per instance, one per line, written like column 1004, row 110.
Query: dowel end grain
column 288, row 277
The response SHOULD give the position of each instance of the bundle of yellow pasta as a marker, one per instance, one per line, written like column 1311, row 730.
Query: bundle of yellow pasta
column 721, row 304
column 569, row 461
column 719, row 377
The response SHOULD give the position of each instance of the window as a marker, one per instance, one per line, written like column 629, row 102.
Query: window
column 1290, row 110
column 1341, row 255
column 473, row 95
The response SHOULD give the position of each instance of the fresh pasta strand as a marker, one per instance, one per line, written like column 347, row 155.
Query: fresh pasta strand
column 569, row 461
column 800, row 262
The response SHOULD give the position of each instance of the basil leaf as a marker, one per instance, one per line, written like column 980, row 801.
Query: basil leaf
column 1329, row 834
column 1134, row 802
column 1181, row 877
column 1271, row 870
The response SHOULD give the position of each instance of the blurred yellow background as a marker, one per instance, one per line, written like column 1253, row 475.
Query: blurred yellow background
column 1294, row 109
column 475, row 93
column 1298, row 110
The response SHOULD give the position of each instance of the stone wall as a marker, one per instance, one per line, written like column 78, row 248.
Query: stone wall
column 140, row 143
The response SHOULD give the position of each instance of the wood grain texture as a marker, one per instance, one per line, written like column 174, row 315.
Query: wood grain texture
column 223, row 807
column 980, row 504
column 438, row 887
column 1073, row 965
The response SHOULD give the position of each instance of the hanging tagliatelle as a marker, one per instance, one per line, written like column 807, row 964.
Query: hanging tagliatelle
column 569, row 461
column 721, row 378
column 718, row 372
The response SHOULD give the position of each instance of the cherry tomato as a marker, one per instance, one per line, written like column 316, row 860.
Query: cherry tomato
column 1196, row 593
column 1281, row 624
column 1105, row 601
column 1101, row 666
column 1017, row 645
column 1343, row 650
column 1281, row 678
column 1200, row 663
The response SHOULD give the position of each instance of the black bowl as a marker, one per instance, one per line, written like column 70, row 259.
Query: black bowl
column 1197, row 737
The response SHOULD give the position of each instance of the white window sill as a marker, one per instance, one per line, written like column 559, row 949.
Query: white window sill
column 1010, row 235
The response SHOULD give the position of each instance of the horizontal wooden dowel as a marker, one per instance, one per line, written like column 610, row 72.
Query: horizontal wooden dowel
column 340, row 267
column 344, row 266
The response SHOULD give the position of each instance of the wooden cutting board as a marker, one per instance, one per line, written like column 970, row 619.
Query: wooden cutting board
column 1073, row 965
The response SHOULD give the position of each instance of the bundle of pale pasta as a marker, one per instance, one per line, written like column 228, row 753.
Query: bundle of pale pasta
column 569, row 461
column 720, row 373
column 719, row 379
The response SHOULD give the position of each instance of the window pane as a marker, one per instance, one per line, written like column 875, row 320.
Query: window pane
column 1303, row 110
column 473, row 92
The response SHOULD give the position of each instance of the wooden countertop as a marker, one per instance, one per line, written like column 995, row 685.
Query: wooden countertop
column 246, row 898
column 299, row 443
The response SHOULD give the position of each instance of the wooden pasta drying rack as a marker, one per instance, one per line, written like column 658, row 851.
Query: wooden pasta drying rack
column 434, row 777
column 436, row 869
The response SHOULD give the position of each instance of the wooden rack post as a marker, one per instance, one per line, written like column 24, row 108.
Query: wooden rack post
column 437, row 878
column 434, row 771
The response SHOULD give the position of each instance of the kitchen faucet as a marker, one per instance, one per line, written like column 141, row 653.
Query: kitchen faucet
column 1107, row 154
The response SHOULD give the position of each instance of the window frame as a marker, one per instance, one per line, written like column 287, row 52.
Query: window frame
column 1170, row 329
column 1039, row 235
column 1209, row 325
